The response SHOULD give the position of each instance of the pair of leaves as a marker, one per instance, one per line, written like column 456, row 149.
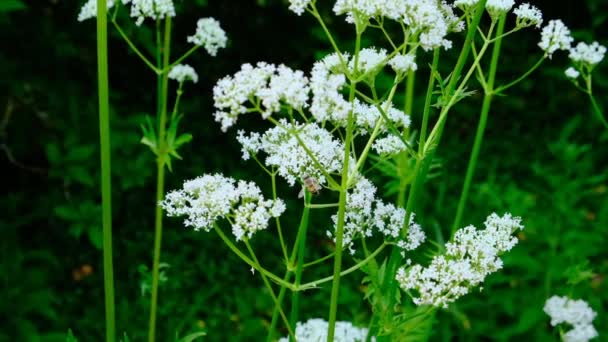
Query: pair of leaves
column 166, row 150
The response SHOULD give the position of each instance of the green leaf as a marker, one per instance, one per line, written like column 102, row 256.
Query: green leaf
column 11, row 5
column 70, row 337
column 193, row 336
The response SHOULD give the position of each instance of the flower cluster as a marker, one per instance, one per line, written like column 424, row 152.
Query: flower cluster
column 528, row 15
column 403, row 63
column 298, row 6
column 89, row 9
column 153, row 9
column 389, row 145
column 209, row 198
column 471, row 256
column 572, row 73
column 589, row 55
column 210, row 35
column 183, row 72
column 315, row 330
column 365, row 214
column 555, row 36
column 263, row 85
column 286, row 154
column 577, row 313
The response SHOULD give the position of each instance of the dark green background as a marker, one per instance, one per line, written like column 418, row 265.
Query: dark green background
column 544, row 158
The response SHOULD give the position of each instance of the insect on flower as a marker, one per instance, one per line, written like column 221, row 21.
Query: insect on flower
column 311, row 184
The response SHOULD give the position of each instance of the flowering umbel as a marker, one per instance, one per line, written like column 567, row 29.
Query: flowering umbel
column 576, row 313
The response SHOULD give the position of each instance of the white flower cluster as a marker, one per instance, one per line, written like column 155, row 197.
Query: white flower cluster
column 389, row 145
column 298, row 6
column 211, row 197
column 555, row 36
column 269, row 84
column 589, row 55
column 403, row 63
column 574, row 312
column 528, row 15
column 210, row 35
column 572, row 73
column 183, row 72
column 364, row 213
column 290, row 159
column 89, row 9
column 472, row 256
column 496, row 8
column 366, row 117
column 153, row 9
column 370, row 61
column 315, row 330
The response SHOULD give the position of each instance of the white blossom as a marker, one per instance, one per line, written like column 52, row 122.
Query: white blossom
column 528, row 15
column 555, row 36
column 432, row 21
column 367, row 116
column 298, row 6
column 315, row 330
column 496, row 8
column 210, row 35
column 469, row 258
column 269, row 84
column 89, row 9
column 289, row 158
column 572, row 73
column 327, row 80
column 389, row 145
column 403, row 63
column 183, row 72
column 576, row 313
column 153, row 9
column 209, row 198
column 587, row 54
column 370, row 61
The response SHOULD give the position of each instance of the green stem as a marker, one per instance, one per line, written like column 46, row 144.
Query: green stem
column 429, row 96
column 184, row 56
column 318, row 261
column 522, row 77
column 409, row 92
column 106, row 180
column 485, row 109
column 295, row 296
column 277, row 219
column 160, row 182
column 134, row 48
column 335, row 286
column 596, row 107
column 177, row 98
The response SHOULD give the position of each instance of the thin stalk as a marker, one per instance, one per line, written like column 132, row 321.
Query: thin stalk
column 318, row 261
column 295, row 296
column 106, row 180
column 522, row 77
column 134, row 48
column 179, row 60
column 429, row 96
column 335, row 286
column 160, row 182
column 177, row 98
column 485, row 110
column 423, row 164
column 277, row 219
column 409, row 92
column 596, row 107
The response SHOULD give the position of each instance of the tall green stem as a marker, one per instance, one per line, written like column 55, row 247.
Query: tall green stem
column 295, row 296
column 335, row 286
column 106, row 180
column 160, row 184
column 481, row 127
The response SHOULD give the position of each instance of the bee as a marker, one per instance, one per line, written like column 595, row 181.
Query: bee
column 311, row 184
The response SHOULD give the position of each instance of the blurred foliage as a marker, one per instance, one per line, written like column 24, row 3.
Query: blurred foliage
column 544, row 158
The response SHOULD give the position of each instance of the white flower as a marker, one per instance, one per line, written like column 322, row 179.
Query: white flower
column 298, row 6
column 367, row 116
column 270, row 84
column 471, row 256
column 89, row 9
column 209, row 198
column 371, row 60
column 572, row 73
column 290, row 159
column 153, row 9
column 588, row 54
column 432, row 21
column 315, row 330
column 528, row 15
column 359, row 8
column 183, row 72
column 389, row 145
column 555, row 36
column 210, row 35
column 497, row 8
column 576, row 313
column 403, row 63
column 326, row 82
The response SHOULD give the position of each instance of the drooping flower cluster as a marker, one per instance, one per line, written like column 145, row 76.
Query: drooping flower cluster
column 208, row 198
column 153, row 9
column 555, row 36
column 183, row 72
column 469, row 258
column 365, row 214
column 266, row 83
column 589, row 55
column 576, row 313
column 286, row 154
column 315, row 330
column 528, row 15
column 210, row 35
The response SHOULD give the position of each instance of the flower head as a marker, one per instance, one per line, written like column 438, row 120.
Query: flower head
column 89, row 9
column 590, row 55
column 555, row 36
column 469, row 258
column 210, row 35
column 315, row 330
column 576, row 313
column 183, row 72
column 528, row 15
column 572, row 73
column 153, row 9
column 209, row 198
column 298, row 6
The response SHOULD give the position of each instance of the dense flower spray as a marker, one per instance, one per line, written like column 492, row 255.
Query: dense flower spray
column 576, row 313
